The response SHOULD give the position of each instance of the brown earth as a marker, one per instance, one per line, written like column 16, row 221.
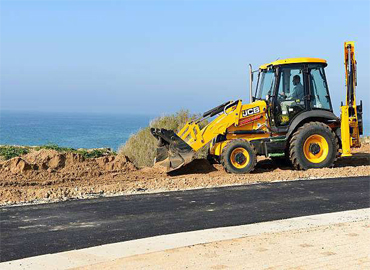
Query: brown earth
column 47, row 175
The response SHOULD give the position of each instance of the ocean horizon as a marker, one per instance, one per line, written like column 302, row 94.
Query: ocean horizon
column 76, row 130
column 67, row 129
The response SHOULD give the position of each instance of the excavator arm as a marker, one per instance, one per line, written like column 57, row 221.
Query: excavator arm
column 175, row 150
column 351, row 114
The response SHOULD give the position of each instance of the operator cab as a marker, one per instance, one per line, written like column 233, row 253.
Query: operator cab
column 291, row 86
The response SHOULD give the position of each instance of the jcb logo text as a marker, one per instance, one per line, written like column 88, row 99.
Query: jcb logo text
column 250, row 111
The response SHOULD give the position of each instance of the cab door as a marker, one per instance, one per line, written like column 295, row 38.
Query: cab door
column 291, row 94
column 319, row 92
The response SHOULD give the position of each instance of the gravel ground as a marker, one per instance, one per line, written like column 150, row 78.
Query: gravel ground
column 48, row 176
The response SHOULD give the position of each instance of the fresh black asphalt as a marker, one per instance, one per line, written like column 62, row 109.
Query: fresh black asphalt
column 48, row 228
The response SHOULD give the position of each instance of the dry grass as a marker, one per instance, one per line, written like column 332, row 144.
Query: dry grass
column 140, row 147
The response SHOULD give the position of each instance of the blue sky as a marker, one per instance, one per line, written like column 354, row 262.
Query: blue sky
column 154, row 57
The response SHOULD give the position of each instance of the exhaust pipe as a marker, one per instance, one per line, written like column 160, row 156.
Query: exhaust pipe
column 250, row 83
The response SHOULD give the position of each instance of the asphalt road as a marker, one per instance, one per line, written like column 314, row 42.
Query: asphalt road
column 48, row 228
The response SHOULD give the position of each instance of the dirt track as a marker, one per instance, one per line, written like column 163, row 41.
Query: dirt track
column 47, row 175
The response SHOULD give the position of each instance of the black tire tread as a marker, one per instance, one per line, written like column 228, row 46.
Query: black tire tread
column 223, row 158
column 293, row 141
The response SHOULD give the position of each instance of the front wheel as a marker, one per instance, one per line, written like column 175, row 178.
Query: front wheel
column 314, row 145
column 239, row 157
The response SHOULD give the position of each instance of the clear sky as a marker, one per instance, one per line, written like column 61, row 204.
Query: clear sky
column 154, row 57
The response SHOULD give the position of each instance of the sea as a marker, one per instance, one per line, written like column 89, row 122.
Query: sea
column 76, row 130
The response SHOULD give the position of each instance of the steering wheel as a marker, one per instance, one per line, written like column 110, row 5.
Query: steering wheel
column 281, row 96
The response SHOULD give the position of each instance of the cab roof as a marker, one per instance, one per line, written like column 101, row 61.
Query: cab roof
column 293, row 61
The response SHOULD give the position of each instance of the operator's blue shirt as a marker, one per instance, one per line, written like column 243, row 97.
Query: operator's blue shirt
column 298, row 92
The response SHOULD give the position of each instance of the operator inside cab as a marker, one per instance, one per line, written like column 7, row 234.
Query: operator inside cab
column 294, row 98
column 297, row 92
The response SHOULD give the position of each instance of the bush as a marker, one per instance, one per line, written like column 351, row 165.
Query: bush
column 140, row 148
column 55, row 147
column 8, row 152
column 94, row 153
column 86, row 153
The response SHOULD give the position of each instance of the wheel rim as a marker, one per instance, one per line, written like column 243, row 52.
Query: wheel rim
column 239, row 158
column 316, row 148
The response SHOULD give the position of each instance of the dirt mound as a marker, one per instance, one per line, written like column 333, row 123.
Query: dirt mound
column 40, row 156
column 116, row 163
column 45, row 164
column 46, row 159
column 156, row 170
column 72, row 158
column 16, row 165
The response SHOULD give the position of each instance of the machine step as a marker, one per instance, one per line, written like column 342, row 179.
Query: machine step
column 276, row 154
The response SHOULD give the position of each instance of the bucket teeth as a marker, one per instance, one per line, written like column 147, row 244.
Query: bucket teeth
column 172, row 152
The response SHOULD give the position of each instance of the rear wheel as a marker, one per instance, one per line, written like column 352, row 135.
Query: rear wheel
column 238, row 156
column 314, row 145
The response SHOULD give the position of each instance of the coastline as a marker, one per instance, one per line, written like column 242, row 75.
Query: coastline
column 46, row 175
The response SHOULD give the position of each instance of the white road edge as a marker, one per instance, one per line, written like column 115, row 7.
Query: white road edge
column 105, row 253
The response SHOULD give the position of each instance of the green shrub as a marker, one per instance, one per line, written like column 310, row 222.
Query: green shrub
column 86, row 153
column 8, row 152
column 55, row 147
column 140, row 147
column 95, row 153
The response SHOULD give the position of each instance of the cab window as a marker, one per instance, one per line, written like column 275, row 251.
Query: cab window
column 266, row 84
column 320, row 98
column 291, row 95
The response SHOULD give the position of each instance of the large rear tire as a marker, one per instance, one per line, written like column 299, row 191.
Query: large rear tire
column 314, row 145
column 239, row 157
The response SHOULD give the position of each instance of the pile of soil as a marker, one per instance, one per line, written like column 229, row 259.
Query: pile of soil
column 50, row 168
column 50, row 163
column 47, row 175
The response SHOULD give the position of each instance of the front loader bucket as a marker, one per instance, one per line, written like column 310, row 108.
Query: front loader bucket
column 172, row 152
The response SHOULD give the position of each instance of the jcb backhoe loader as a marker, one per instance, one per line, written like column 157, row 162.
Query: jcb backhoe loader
column 290, row 116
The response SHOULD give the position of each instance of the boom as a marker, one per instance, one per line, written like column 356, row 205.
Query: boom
column 176, row 150
column 351, row 115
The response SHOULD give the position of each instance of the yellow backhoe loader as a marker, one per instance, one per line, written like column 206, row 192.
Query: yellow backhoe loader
column 290, row 116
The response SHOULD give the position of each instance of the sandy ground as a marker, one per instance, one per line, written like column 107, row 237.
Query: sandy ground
column 338, row 246
column 47, row 176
